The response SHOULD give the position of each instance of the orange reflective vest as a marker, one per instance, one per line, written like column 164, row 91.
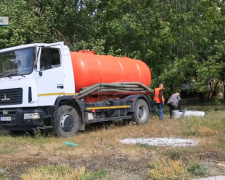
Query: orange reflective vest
column 157, row 94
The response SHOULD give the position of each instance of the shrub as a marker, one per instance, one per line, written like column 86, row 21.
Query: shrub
column 198, row 169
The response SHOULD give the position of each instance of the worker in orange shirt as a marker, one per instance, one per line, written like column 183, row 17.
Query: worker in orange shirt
column 159, row 98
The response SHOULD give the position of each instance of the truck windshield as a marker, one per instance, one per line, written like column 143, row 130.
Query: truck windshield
column 18, row 62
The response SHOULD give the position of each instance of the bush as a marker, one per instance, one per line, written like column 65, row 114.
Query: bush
column 198, row 169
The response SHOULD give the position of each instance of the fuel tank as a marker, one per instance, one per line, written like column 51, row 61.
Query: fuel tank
column 90, row 69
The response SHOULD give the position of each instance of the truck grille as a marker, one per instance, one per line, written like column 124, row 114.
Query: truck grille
column 11, row 96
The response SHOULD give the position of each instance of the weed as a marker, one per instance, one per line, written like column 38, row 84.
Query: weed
column 206, row 131
column 189, row 132
column 221, row 142
column 210, row 125
column 3, row 177
column 98, row 175
column 38, row 134
column 146, row 146
column 162, row 169
column 175, row 154
column 8, row 148
column 61, row 172
column 198, row 169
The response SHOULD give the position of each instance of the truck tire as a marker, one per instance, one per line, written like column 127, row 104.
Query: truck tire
column 66, row 122
column 141, row 112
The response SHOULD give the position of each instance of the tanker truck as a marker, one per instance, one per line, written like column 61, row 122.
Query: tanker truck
column 45, row 86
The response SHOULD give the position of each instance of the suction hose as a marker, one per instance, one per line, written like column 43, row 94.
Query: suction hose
column 127, row 87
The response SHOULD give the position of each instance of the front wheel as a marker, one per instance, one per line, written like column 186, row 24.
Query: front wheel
column 141, row 112
column 66, row 122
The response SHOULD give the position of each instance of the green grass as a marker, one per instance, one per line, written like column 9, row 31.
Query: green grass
column 146, row 146
column 177, row 153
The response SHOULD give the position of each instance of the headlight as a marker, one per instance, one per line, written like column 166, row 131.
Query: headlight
column 31, row 116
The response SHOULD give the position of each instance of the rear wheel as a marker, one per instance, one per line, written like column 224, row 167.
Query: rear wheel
column 66, row 122
column 141, row 112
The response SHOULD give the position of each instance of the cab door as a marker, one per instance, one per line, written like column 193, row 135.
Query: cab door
column 50, row 81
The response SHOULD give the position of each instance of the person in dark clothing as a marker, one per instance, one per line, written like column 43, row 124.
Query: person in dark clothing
column 159, row 98
column 173, row 102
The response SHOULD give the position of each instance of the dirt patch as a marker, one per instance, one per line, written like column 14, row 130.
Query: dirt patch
column 120, row 166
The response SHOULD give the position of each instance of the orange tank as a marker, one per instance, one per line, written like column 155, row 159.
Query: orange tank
column 90, row 69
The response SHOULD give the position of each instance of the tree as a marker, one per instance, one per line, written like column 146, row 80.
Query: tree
column 181, row 41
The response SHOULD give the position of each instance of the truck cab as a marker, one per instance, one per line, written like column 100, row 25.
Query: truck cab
column 32, row 77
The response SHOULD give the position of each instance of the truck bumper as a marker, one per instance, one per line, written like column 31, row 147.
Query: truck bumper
column 22, row 119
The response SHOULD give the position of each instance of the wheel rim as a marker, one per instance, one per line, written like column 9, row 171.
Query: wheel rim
column 67, row 122
column 141, row 112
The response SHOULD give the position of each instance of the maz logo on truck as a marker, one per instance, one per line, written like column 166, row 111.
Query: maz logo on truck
column 5, row 98
column 5, row 112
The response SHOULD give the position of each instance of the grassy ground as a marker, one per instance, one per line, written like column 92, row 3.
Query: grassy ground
column 100, row 155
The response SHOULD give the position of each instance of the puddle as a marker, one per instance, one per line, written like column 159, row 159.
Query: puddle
column 174, row 142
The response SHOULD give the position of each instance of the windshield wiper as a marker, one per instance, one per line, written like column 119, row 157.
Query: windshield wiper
column 10, row 75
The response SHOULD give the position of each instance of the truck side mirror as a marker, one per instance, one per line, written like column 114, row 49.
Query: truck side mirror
column 40, row 73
